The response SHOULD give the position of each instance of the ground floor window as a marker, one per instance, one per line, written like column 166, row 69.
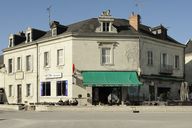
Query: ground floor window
column 163, row 93
column 62, row 89
column 45, row 88
column 28, row 90
column 10, row 90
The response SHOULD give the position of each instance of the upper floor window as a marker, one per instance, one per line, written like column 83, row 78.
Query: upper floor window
column 54, row 31
column 164, row 59
column 10, row 66
column 150, row 58
column 46, row 59
column 106, row 56
column 28, row 63
column 18, row 63
column 176, row 62
column 105, row 26
column 60, row 57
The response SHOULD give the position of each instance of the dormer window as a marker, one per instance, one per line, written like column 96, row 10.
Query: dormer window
column 11, row 40
column 54, row 31
column 105, row 26
column 106, row 23
column 28, row 37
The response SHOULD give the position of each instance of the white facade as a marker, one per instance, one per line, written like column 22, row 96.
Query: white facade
column 46, row 66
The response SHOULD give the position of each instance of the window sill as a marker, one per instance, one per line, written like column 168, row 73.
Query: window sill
column 10, row 74
column 107, row 64
column 46, row 67
column 150, row 65
column 31, row 71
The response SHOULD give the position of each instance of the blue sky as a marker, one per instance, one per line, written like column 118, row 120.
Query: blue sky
column 17, row 15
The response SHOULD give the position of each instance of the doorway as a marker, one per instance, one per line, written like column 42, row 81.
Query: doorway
column 19, row 94
column 101, row 94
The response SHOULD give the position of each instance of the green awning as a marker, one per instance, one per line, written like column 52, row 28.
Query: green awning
column 107, row 78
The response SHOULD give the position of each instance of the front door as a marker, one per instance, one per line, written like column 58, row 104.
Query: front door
column 19, row 94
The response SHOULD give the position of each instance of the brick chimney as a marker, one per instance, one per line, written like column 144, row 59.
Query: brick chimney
column 134, row 21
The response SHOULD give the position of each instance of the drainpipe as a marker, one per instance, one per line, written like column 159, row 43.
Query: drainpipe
column 37, row 52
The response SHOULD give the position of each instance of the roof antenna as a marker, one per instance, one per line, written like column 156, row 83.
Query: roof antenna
column 49, row 12
column 138, row 5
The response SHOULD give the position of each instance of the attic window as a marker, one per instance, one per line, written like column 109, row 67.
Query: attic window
column 105, row 26
column 28, row 37
column 54, row 31
column 11, row 42
column 106, row 23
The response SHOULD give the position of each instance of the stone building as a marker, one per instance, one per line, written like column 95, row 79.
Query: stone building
column 91, row 59
column 188, row 64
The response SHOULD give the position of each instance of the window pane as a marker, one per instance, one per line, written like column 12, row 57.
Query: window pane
column 28, row 37
column 48, row 89
column 58, row 88
column 106, row 56
column 18, row 63
column 60, row 57
column 28, row 63
column 46, row 59
column 10, row 64
column 62, row 88
column 28, row 90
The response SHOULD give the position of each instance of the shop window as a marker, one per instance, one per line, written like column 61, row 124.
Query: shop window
column 46, row 89
column 62, row 89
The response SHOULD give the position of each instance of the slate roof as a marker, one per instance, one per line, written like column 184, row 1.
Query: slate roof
column 122, row 25
column 188, row 48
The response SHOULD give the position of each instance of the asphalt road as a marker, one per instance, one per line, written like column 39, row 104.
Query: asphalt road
column 94, row 120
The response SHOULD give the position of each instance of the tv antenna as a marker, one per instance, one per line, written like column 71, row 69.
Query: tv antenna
column 137, row 4
column 49, row 13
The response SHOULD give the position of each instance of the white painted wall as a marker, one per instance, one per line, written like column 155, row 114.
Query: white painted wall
column 65, row 70
column 28, row 77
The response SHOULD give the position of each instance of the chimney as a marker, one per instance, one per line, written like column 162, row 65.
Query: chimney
column 134, row 21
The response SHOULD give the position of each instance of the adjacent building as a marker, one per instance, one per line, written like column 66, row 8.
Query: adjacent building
column 91, row 59
column 188, row 64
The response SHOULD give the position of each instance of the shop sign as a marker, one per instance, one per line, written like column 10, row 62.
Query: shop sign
column 53, row 75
